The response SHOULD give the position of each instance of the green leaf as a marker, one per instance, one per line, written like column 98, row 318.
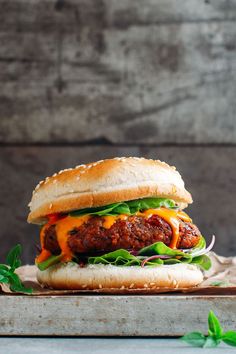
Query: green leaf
column 215, row 329
column 119, row 258
column 4, row 267
column 203, row 262
column 159, row 248
column 16, row 284
column 196, row 339
column 221, row 283
column 211, row 342
column 49, row 262
column 20, row 289
column 150, row 203
column 7, row 272
column 200, row 245
column 128, row 208
column 13, row 259
column 230, row 338
column 3, row 279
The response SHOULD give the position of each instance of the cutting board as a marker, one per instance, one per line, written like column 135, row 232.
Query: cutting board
column 113, row 315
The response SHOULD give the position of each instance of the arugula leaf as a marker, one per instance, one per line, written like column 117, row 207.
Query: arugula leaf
column 229, row 338
column 215, row 329
column 128, row 208
column 7, row 271
column 215, row 335
column 196, row 339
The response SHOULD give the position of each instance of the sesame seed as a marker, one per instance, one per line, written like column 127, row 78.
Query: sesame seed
column 122, row 287
column 131, row 285
column 145, row 286
column 84, row 285
column 50, row 206
column 100, row 286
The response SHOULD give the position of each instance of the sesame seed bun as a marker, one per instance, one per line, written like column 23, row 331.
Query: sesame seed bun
column 105, row 182
column 69, row 276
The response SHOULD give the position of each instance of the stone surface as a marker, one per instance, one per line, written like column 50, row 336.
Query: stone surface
column 102, row 346
column 209, row 173
column 121, row 71
column 113, row 315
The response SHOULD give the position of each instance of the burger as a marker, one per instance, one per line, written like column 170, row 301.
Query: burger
column 117, row 224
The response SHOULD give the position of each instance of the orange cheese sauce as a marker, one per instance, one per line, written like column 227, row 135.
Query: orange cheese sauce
column 172, row 217
column 65, row 224
column 110, row 220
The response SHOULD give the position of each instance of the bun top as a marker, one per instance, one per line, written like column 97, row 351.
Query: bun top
column 105, row 182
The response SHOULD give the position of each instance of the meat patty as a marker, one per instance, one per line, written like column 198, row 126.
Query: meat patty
column 132, row 234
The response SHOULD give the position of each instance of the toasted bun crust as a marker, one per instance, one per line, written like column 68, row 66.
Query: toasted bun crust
column 104, row 182
column 70, row 276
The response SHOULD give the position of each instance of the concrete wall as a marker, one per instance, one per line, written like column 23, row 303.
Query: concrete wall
column 85, row 79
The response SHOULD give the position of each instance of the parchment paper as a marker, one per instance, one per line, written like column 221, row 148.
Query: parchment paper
column 220, row 279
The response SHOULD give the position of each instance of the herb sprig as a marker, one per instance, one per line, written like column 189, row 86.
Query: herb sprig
column 7, row 271
column 215, row 335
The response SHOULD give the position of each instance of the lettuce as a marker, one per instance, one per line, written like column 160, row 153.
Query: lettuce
column 124, row 258
column 129, row 208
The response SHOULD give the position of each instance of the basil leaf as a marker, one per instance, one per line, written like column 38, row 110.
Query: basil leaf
column 49, row 262
column 16, row 284
column 13, row 259
column 4, row 272
column 3, row 279
column 128, row 207
column 211, row 342
column 4, row 267
column 196, row 339
column 203, row 262
column 229, row 338
column 215, row 329
column 7, row 272
column 221, row 283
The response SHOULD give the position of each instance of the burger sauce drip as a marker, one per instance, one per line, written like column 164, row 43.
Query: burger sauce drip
column 172, row 218
column 45, row 254
column 110, row 220
column 62, row 229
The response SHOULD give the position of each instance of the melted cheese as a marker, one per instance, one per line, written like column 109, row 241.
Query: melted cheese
column 110, row 220
column 66, row 224
column 63, row 226
column 172, row 217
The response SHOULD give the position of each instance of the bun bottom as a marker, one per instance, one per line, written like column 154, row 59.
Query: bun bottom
column 70, row 276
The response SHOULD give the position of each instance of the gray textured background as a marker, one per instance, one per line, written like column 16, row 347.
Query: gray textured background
column 81, row 80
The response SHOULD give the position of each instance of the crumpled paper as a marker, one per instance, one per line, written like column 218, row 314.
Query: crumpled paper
column 220, row 279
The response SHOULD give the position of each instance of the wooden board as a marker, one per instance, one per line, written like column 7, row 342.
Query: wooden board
column 113, row 315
